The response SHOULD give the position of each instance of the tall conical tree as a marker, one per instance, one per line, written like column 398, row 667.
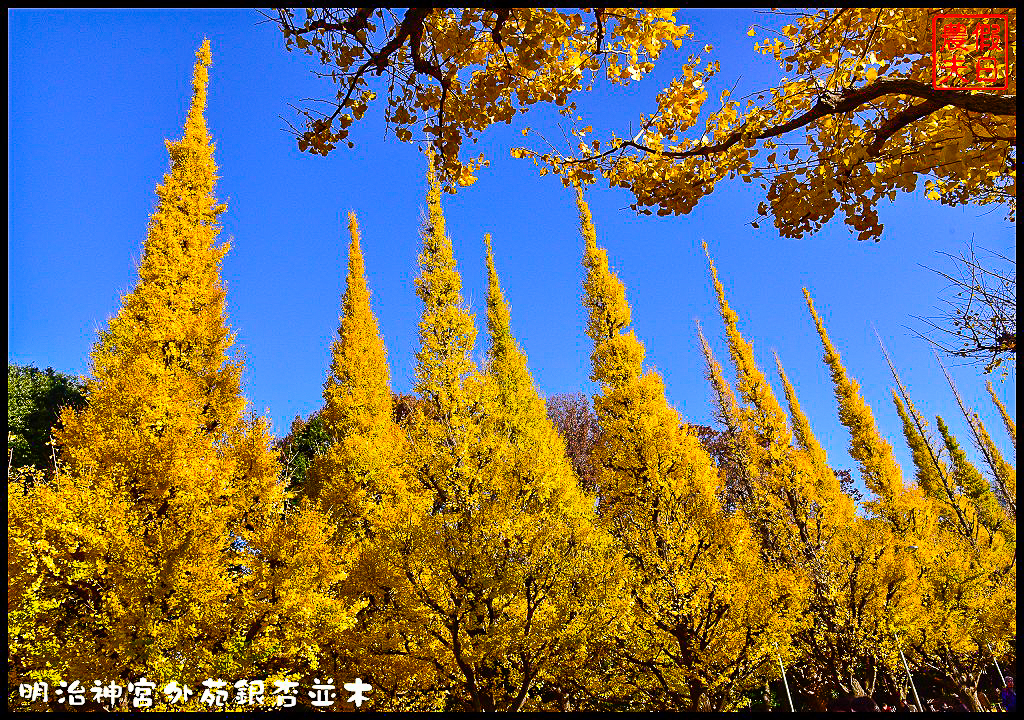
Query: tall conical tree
column 167, row 482
column 446, row 329
column 873, row 453
column 727, row 408
column 811, row 526
column 964, row 609
column 523, row 418
column 753, row 387
column 705, row 605
column 968, row 577
column 973, row 484
column 359, row 470
column 570, row 559
column 738, row 470
column 1004, row 474
column 945, row 620
column 506, row 360
column 804, row 436
column 359, row 483
column 932, row 473
column 495, row 597
column 788, row 487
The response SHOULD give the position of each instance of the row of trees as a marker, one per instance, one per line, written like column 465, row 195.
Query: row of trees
column 452, row 553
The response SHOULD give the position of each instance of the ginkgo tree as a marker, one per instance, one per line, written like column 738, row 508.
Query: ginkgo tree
column 457, row 71
column 710, row 612
column 447, row 548
column 854, row 120
column 505, row 575
column 858, row 586
column 161, row 549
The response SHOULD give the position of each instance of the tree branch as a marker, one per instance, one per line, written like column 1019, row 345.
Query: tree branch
column 851, row 100
column 899, row 121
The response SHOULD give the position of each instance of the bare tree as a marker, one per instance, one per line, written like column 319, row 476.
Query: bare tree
column 577, row 424
column 979, row 319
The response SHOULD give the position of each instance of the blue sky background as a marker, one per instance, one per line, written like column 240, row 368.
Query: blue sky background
column 92, row 96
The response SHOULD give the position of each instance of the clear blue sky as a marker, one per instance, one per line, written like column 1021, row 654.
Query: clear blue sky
column 92, row 96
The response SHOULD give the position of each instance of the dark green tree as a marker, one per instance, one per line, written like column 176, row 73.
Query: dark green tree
column 34, row 400
column 305, row 439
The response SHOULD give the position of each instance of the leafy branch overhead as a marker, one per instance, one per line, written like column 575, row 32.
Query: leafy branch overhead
column 857, row 122
column 457, row 71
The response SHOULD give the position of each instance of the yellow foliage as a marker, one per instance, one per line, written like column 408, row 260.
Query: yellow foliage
column 709, row 614
column 452, row 560
column 151, row 553
column 358, row 474
column 860, row 583
column 1011, row 426
column 503, row 570
column 856, row 103
column 485, row 66
column 881, row 473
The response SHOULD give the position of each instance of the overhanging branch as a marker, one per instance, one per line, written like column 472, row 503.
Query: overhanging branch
column 851, row 100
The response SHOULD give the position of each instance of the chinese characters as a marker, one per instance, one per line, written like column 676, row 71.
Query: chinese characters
column 970, row 52
column 214, row 693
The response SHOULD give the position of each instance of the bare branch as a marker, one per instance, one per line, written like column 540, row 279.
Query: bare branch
column 981, row 320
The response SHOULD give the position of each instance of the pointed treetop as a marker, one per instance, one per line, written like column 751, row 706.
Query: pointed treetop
column 618, row 355
column 176, row 314
column 751, row 381
column 1005, row 475
column 1011, row 426
column 195, row 122
column 932, row 474
column 498, row 318
column 728, row 314
column 164, row 454
column 446, row 329
column 586, row 220
column 358, row 389
column 356, row 290
column 204, row 59
column 354, row 479
column 881, row 472
column 803, row 434
column 436, row 219
column 728, row 411
column 611, row 314
column 507, row 360
column 973, row 484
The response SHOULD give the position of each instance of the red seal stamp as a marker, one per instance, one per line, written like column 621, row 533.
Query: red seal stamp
column 970, row 52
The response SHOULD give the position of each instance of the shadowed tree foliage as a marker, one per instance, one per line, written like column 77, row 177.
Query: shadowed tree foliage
column 34, row 400
column 305, row 440
column 573, row 416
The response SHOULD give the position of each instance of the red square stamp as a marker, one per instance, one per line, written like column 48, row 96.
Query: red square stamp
column 970, row 52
